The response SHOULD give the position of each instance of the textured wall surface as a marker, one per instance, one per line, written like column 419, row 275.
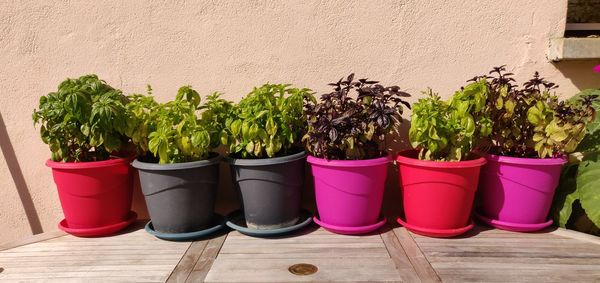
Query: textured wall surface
column 230, row 46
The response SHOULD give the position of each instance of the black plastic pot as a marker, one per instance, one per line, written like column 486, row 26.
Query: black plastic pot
column 181, row 196
column 270, row 189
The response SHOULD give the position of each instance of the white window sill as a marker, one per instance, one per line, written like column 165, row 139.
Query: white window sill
column 573, row 49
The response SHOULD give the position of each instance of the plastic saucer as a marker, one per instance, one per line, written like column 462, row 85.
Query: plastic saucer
column 354, row 230
column 236, row 221
column 216, row 225
column 437, row 233
column 98, row 231
column 515, row 227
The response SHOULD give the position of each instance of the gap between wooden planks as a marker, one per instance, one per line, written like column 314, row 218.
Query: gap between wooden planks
column 197, row 260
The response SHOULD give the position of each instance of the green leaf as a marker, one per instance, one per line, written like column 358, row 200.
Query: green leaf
column 236, row 127
column 565, row 195
column 499, row 103
column 246, row 130
column 250, row 147
column 588, row 185
column 534, row 116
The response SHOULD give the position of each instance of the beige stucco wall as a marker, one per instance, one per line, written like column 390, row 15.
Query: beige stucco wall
column 231, row 46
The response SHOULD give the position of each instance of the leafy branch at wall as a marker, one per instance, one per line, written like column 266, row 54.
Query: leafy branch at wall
column 577, row 200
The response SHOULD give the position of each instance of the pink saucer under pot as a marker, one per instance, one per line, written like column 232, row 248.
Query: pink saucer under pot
column 98, row 231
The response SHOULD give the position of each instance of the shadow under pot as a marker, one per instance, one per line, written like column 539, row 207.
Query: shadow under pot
column 181, row 196
column 270, row 189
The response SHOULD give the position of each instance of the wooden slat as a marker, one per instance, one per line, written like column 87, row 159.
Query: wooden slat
column 416, row 257
column 131, row 256
column 396, row 252
column 504, row 275
column 570, row 261
column 185, row 265
column 576, row 235
column 338, row 257
column 330, row 270
column 32, row 239
column 503, row 256
column 206, row 260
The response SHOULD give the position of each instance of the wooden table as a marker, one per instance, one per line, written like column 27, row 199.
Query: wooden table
column 391, row 255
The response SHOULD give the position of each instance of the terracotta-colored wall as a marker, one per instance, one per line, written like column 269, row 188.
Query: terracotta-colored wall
column 230, row 46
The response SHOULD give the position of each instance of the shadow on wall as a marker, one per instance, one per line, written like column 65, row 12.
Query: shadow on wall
column 580, row 73
column 15, row 171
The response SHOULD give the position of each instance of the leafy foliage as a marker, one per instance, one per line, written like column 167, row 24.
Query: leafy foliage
column 447, row 131
column 268, row 122
column 171, row 131
column 343, row 127
column 531, row 121
column 84, row 120
column 579, row 182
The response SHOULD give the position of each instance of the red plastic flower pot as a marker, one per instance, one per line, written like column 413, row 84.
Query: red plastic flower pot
column 437, row 196
column 94, row 195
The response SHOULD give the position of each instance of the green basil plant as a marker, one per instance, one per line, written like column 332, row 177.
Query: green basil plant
column 176, row 131
column 449, row 130
column 268, row 122
column 84, row 120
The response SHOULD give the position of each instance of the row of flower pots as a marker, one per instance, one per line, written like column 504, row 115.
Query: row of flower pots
column 514, row 138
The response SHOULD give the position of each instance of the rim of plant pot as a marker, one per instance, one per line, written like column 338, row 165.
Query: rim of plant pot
column 410, row 157
column 214, row 158
column 265, row 161
column 350, row 163
column 524, row 160
column 88, row 164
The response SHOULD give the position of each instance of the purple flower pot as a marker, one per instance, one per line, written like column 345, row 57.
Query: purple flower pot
column 516, row 193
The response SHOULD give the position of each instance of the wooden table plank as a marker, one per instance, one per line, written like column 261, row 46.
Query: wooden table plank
column 330, row 270
column 339, row 258
column 185, row 265
column 398, row 255
column 32, row 239
column 206, row 260
column 130, row 256
column 416, row 257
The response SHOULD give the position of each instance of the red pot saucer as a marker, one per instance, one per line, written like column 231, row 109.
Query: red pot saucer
column 514, row 227
column 98, row 231
column 350, row 230
column 437, row 233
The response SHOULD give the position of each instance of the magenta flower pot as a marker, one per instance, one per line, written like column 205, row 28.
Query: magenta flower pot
column 349, row 193
column 516, row 193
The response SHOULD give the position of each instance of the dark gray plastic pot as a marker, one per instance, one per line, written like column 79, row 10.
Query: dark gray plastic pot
column 270, row 189
column 181, row 196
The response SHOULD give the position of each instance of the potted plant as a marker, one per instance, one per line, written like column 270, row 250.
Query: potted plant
column 262, row 134
column 576, row 205
column 349, row 167
column 531, row 134
column 178, row 170
column 440, row 176
column 84, row 123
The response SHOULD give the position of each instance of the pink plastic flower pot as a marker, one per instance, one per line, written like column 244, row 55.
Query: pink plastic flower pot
column 349, row 193
column 437, row 196
column 95, row 196
column 516, row 193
